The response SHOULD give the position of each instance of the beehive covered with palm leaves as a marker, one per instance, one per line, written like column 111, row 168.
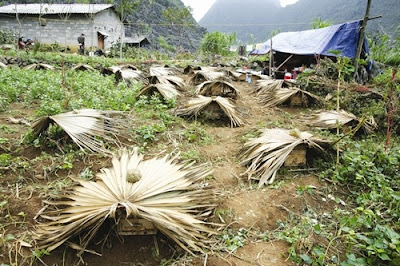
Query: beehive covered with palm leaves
column 277, row 92
column 165, row 192
column 265, row 155
column 215, row 100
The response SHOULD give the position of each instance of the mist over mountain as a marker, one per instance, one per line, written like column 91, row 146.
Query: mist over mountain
column 261, row 17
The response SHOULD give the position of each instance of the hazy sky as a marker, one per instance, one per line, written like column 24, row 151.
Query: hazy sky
column 200, row 7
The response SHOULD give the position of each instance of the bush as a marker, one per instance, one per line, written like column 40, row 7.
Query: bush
column 7, row 37
column 372, row 176
column 217, row 43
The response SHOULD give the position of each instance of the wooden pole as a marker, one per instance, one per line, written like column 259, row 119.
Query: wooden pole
column 270, row 59
column 361, row 37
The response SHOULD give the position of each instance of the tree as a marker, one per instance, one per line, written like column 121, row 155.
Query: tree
column 64, row 15
column 179, row 17
column 217, row 43
column 124, row 8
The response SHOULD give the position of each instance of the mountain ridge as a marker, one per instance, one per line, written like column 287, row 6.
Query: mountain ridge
column 261, row 18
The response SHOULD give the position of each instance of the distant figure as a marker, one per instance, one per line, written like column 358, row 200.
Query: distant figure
column 81, row 41
column 21, row 44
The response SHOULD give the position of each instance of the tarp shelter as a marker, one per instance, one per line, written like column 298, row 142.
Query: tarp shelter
column 343, row 37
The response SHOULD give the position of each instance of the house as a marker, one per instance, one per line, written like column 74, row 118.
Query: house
column 137, row 41
column 64, row 23
column 294, row 49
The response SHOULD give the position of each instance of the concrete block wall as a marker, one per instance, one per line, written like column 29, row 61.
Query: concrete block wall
column 66, row 32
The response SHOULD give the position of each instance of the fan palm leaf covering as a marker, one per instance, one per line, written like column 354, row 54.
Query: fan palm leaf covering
column 217, row 88
column 205, row 75
column 40, row 66
column 295, row 95
column 267, row 153
column 168, row 91
column 83, row 67
column 194, row 107
column 333, row 119
column 162, row 71
column 84, row 126
column 267, row 85
column 178, row 82
column 160, row 190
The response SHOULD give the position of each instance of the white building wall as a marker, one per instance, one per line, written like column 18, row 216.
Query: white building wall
column 66, row 32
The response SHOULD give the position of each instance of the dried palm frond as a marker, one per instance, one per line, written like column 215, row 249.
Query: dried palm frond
column 333, row 119
column 267, row 85
column 164, row 192
column 162, row 71
column 202, row 76
column 168, row 91
column 129, row 75
column 238, row 76
column 178, row 82
column 294, row 96
column 202, row 103
column 128, row 66
column 110, row 70
column 2, row 65
column 40, row 66
column 217, row 88
column 83, row 67
column 266, row 154
column 84, row 126
column 190, row 69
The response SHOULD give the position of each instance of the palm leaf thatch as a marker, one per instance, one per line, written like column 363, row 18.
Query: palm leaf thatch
column 203, row 75
column 266, row 154
column 267, row 85
column 214, row 104
column 168, row 91
column 188, row 70
column 39, row 66
column 83, row 67
column 178, row 82
column 110, row 70
column 128, row 66
column 83, row 127
column 292, row 95
column 160, row 190
column 128, row 75
column 237, row 76
column 162, row 71
column 333, row 119
column 217, row 88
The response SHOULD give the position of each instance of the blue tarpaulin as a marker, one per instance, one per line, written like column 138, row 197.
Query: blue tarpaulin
column 343, row 37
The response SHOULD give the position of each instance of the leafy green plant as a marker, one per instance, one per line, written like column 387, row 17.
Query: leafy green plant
column 318, row 23
column 232, row 240
column 217, row 43
column 372, row 177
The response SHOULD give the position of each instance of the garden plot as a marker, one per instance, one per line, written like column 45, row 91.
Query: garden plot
column 251, row 223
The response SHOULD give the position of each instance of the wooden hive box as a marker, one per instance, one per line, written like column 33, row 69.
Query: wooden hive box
column 136, row 227
column 297, row 156
column 296, row 100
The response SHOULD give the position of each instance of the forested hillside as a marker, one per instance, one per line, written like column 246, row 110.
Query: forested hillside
column 260, row 18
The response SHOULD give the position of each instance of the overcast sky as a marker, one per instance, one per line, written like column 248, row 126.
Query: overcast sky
column 200, row 7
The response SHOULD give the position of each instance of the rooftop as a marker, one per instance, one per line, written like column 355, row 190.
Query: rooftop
column 46, row 9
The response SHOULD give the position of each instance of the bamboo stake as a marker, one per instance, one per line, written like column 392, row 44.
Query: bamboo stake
column 361, row 37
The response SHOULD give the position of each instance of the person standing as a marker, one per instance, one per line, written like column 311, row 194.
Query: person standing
column 81, row 41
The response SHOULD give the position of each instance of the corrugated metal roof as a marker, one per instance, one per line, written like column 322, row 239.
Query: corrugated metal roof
column 46, row 9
